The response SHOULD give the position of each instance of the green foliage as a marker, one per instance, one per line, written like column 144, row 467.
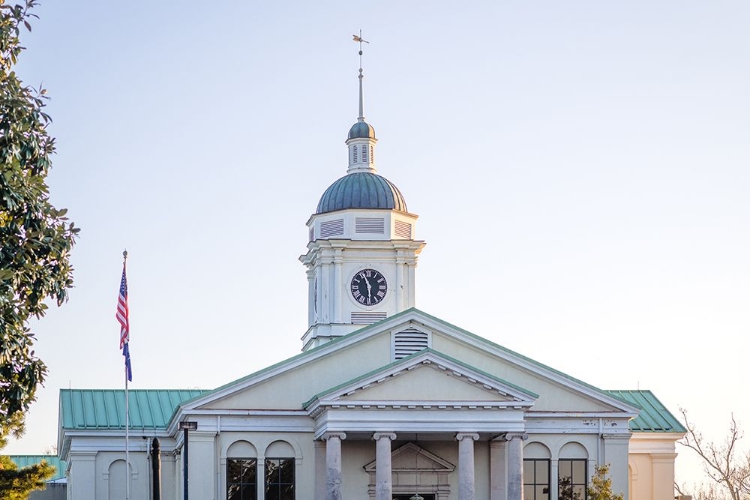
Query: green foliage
column 35, row 237
column 17, row 484
column 601, row 485
column 566, row 490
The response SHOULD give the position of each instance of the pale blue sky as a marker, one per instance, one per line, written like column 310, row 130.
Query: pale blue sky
column 581, row 170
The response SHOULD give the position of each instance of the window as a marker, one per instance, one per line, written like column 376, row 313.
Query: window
column 536, row 479
column 354, row 154
column 372, row 154
column 279, row 479
column 241, row 479
column 364, row 154
column 573, row 479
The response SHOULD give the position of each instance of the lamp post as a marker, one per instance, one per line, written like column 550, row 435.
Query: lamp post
column 186, row 426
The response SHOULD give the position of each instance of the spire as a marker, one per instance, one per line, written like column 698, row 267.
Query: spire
column 361, row 138
column 361, row 117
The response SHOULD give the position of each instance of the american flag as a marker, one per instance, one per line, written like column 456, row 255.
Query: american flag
column 122, row 318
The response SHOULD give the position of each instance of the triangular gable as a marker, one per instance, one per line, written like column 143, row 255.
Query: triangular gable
column 410, row 457
column 427, row 377
column 415, row 318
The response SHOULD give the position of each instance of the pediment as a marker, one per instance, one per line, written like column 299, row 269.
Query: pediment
column 411, row 458
column 359, row 369
column 423, row 379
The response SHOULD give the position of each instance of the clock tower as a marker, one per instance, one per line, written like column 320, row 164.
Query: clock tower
column 362, row 253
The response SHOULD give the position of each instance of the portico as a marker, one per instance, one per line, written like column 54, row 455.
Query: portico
column 429, row 478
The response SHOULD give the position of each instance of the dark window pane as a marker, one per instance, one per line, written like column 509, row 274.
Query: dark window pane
column 249, row 492
column 234, row 471
column 287, row 492
column 272, row 471
column 286, row 471
column 273, row 492
column 234, row 492
column 241, row 479
column 279, row 479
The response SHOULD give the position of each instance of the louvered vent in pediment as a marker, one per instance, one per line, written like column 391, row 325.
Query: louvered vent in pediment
column 409, row 341
column 402, row 229
column 331, row 228
column 367, row 318
column 372, row 225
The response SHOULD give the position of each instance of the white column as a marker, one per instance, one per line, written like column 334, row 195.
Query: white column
column 326, row 303
column 320, row 470
column 498, row 469
column 311, row 295
column 554, row 478
column 466, row 465
column 383, row 481
column 338, row 260
column 515, row 465
column 399, row 288
column 411, row 268
column 333, row 464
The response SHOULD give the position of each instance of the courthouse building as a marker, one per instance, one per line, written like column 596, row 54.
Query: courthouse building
column 384, row 402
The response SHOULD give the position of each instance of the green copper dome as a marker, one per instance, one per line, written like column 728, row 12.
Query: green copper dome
column 361, row 130
column 362, row 190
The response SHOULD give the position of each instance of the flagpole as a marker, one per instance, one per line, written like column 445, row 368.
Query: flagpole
column 127, row 440
column 127, row 416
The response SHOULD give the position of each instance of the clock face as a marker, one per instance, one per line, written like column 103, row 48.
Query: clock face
column 369, row 287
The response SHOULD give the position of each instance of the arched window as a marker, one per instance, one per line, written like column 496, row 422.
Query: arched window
column 536, row 471
column 280, row 471
column 242, row 471
column 572, row 472
column 242, row 478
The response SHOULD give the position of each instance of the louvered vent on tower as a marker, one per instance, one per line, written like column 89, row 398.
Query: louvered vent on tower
column 403, row 229
column 409, row 341
column 312, row 233
column 367, row 318
column 331, row 228
column 372, row 225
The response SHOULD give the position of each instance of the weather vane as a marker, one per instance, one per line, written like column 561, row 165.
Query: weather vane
column 361, row 41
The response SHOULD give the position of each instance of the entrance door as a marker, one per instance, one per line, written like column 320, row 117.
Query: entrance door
column 426, row 496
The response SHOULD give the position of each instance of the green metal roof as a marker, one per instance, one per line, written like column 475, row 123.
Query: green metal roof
column 654, row 416
column 154, row 408
column 361, row 130
column 23, row 461
column 361, row 190
column 105, row 408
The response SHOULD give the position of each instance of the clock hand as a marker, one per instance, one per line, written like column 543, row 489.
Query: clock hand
column 369, row 289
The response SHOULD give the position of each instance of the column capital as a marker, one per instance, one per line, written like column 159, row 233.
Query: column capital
column 509, row 436
column 467, row 435
column 329, row 435
column 384, row 435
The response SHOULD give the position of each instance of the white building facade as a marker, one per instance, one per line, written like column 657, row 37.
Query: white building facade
column 385, row 401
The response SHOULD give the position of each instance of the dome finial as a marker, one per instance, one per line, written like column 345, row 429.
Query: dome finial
column 361, row 117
